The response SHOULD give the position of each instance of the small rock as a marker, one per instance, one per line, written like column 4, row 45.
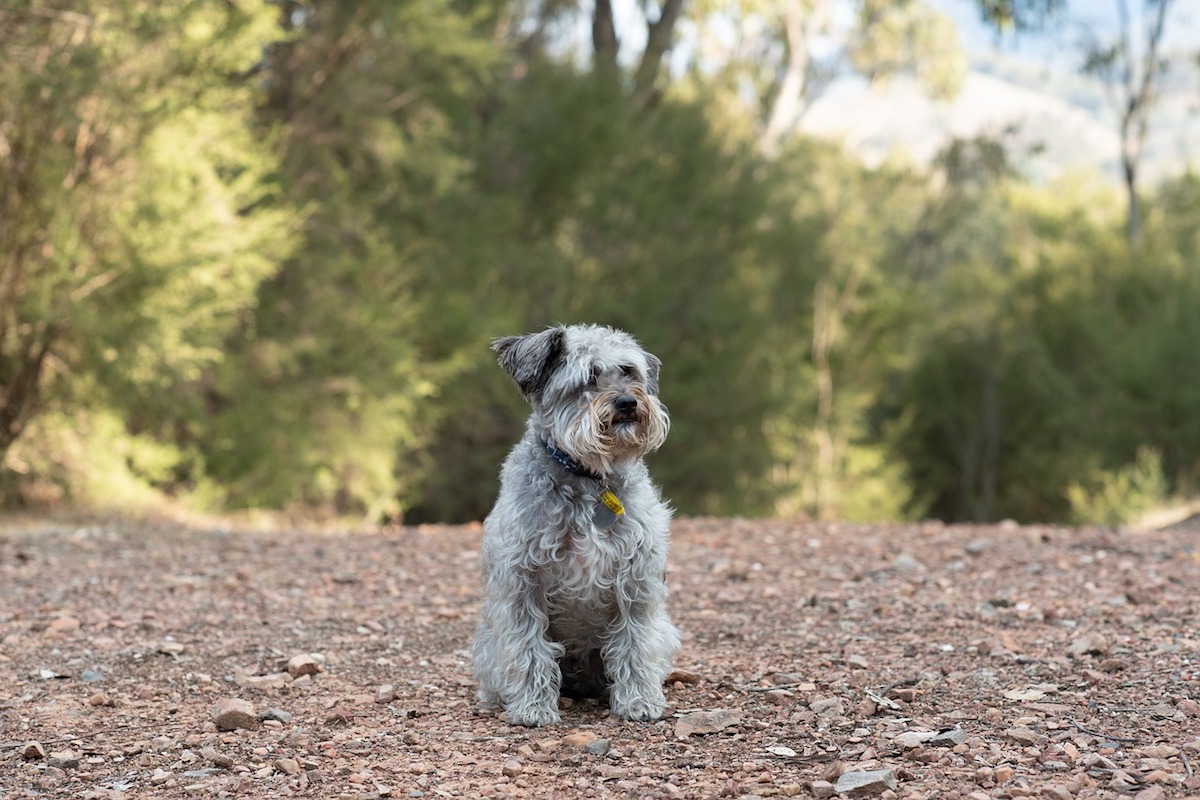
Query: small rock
column 910, row 739
column 274, row 680
column 597, row 747
column 385, row 693
column 857, row 662
column 681, row 676
column 865, row 784
column 288, row 766
column 907, row 563
column 1093, row 644
column 978, row 546
column 1189, row 706
column 827, row 707
column 64, row 759
column 171, row 648
column 339, row 715
column 1158, row 751
column 1151, row 793
column 513, row 767
column 160, row 776
column 951, row 737
column 100, row 699
column 91, row 676
column 1003, row 773
column 62, row 626
column 700, row 722
column 33, row 751
column 277, row 714
column 211, row 754
column 1023, row 736
column 231, row 713
column 779, row 697
column 780, row 678
column 304, row 664
column 821, row 789
column 1056, row 791
column 579, row 739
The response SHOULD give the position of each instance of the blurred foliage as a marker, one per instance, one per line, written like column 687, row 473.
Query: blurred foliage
column 252, row 254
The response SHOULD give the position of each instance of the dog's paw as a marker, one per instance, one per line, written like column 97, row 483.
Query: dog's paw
column 640, row 709
column 531, row 716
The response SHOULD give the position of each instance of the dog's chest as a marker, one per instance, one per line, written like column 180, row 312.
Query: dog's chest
column 590, row 563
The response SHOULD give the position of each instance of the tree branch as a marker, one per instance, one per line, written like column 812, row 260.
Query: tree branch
column 658, row 41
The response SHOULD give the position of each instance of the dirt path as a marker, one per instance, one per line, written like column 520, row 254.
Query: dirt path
column 1047, row 662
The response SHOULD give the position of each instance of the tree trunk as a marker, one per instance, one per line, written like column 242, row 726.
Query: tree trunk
column 604, row 37
column 21, row 392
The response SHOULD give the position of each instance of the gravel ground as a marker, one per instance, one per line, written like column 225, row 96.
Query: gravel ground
column 152, row 660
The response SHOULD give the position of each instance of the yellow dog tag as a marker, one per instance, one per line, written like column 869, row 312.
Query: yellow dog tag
column 612, row 501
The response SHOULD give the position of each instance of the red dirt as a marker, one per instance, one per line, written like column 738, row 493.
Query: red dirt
column 1063, row 664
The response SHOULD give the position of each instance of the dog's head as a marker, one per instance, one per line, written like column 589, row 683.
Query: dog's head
column 593, row 389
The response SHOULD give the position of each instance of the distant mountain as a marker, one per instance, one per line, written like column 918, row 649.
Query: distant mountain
column 1062, row 120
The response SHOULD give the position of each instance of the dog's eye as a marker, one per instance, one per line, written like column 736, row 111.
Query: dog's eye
column 628, row 371
column 594, row 380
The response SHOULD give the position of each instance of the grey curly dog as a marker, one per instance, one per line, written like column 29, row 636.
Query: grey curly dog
column 575, row 550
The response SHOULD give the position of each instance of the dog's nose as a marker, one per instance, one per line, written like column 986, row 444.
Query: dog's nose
column 626, row 404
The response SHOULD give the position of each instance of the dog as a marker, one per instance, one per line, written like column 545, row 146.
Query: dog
column 574, row 552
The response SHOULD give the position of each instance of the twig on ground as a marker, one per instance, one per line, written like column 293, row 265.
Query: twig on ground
column 1102, row 735
column 1186, row 763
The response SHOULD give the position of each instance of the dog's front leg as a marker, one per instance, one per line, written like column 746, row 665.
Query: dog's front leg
column 529, row 675
column 638, row 653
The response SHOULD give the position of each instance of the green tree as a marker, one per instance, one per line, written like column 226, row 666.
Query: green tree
column 132, row 182
column 329, row 394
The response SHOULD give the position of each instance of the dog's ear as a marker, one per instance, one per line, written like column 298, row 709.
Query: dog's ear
column 653, row 365
column 532, row 359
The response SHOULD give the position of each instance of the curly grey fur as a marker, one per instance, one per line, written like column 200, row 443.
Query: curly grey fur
column 570, row 607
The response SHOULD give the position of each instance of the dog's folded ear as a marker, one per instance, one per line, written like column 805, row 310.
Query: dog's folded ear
column 532, row 359
column 653, row 364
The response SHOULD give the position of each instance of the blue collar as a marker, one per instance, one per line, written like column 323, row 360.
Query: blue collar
column 569, row 463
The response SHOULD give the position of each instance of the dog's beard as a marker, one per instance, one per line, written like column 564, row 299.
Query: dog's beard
column 599, row 437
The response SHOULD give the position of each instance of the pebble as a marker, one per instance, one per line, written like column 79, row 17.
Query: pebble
column 910, row 739
column 277, row 714
column 288, row 766
column 579, row 739
column 220, row 759
column 100, row 699
column 62, row 625
column 827, row 707
column 597, row 747
column 907, row 563
column 1091, row 644
column 865, row 784
column 821, row 789
column 303, row 664
column 64, row 759
column 91, row 676
column 700, row 722
column 513, row 767
column 1023, row 736
column 230, row 713
column 385, row 693
column 1189, row 706
column 33, row 751
column 954, row 736
column 978, row 546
